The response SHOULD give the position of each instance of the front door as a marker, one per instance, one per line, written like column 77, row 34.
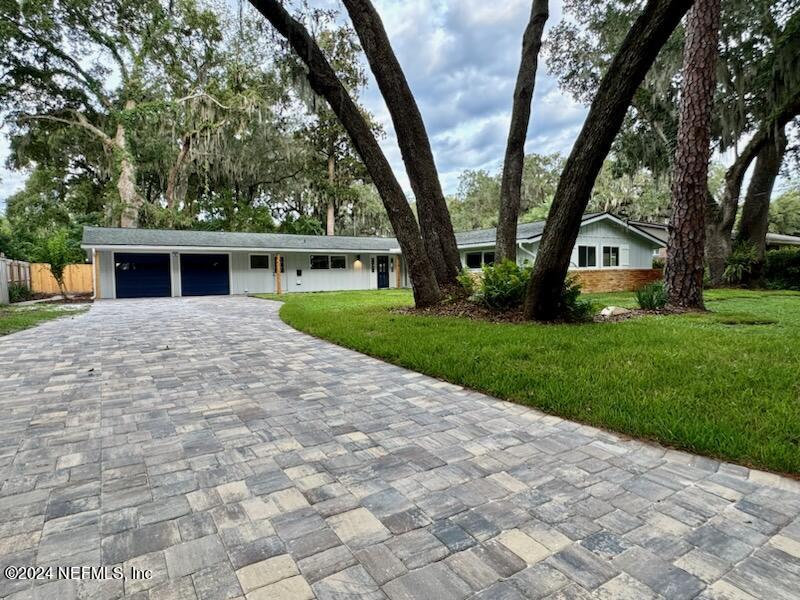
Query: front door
column 383, row 272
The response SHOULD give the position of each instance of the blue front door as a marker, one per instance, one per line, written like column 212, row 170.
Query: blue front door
column 141, row 275
column 383, row 272
column 205, row 275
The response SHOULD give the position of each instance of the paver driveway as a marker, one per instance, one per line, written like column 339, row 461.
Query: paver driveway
column 208, row 442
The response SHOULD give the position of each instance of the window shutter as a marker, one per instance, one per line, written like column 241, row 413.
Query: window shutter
column 625, row 256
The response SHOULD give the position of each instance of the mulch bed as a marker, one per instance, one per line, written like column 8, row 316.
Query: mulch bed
column 463, row 308
column 73, row 299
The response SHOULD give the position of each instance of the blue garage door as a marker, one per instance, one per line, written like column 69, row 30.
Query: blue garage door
column 204, row 275
column 142, row 275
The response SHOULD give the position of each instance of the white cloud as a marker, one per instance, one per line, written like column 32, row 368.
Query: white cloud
column 461, row 60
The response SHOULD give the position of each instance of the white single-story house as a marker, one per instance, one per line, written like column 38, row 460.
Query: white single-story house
column 609, row 254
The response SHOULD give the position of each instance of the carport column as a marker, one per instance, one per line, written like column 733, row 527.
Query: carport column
column 398, row 264
column 278, row 269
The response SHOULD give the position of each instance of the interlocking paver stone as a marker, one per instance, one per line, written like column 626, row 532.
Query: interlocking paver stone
column 204, row 439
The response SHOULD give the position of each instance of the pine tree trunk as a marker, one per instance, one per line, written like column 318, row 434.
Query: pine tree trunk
column 755, row 212
column 685, row 249
column 511, row 183
column 415, row 147
column 617, row 87
column 324, row 82
column 126, row 182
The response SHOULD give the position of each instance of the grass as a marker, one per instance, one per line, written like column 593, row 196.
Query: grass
column 17, row 318
column 725, row 384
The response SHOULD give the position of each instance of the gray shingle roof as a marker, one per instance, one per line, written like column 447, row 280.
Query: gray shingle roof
column 525, row 231
column 109, row 236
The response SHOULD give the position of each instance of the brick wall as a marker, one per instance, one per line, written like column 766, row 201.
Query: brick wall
column 617, row 280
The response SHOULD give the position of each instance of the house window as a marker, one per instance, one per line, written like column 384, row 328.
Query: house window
column 338, row 262
column 259, row 261
column 319, row 261
column 610, row 256
column 474, row 260
column 587, row 256
column 488, row 258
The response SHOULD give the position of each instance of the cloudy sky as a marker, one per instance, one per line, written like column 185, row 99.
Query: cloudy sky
column 461, row 57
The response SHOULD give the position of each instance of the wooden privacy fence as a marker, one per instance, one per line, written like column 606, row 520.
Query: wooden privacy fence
column 77, row 279
column 17, row 271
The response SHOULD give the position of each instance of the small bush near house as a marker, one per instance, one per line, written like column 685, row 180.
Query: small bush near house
column 503, row 284
column 652, row 296
column 659, row 262
column 740, row 263
column 18, row 292
column 576, row 310
column 467, row 281
column 782, row 269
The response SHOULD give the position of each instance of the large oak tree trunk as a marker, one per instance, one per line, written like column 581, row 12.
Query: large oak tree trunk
column 415, row 147
column 755, row 212
column 175, row 172
column 683, row 276
column 720, row 217
column 617, row 87
column 511, row 183
column 126, row 180
column 324, row 82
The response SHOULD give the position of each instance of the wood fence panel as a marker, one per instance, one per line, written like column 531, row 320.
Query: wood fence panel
column 77, row 279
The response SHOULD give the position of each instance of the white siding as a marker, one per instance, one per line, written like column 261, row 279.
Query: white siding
column 106, row 276
column 252, row 281
column 353, row 277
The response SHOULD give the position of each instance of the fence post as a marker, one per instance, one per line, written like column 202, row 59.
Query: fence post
column 4, row 299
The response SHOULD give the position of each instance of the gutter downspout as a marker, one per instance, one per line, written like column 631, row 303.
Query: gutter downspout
column 94, row 274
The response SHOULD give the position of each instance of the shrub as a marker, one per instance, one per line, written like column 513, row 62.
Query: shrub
column 18, row 292
column 652, row 296
column 782, row 269
column 574, row 308
column 466, row 281
column 740, row 263
column 659, row 262
column 59, row 249
column 503, row 285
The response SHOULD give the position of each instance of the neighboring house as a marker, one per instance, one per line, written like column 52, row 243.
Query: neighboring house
column 609, row 255
column 775, row 241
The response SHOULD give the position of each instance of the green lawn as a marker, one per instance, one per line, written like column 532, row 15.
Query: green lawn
column 714, row 384
column 16, row 318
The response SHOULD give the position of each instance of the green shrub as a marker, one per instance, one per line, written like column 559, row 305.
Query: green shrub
column 466, row 281
column 652, row 296
column 782, row 269
column 503, row 285
column 573, row 307
column 659, row 262
column 740, row 263
column 18, row 292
